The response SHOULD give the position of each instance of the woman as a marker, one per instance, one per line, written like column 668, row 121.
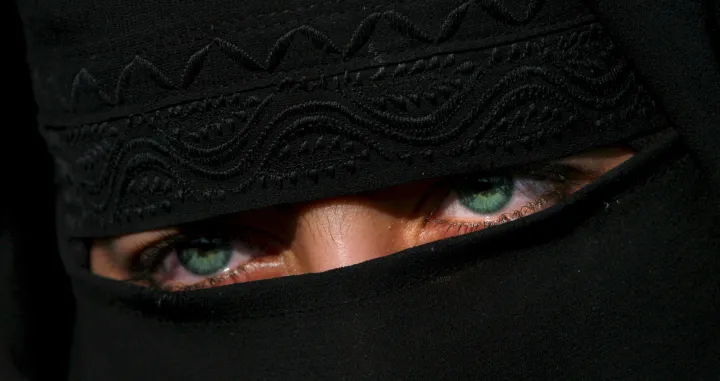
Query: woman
column 417, row 189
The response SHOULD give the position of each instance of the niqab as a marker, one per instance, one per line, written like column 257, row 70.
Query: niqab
column 160, row 113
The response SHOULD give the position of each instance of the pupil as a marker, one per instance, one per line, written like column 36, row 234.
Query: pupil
column 486, row 195
column 484, row 185
column 205, row 257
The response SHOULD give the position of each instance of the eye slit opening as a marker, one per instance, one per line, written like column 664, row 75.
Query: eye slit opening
column 495, row 206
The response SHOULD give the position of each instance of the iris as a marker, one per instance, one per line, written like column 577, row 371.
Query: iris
column 486, row 195
column 203, row 256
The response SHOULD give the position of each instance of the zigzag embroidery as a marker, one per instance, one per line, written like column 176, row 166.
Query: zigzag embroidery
column 84, row 82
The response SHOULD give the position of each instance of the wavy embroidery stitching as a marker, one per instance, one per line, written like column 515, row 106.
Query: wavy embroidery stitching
column 85, row 83
column 111, row 173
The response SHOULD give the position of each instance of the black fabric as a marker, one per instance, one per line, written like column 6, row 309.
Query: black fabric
column 621, row 281
column 585, row 290
column 680, row 65
column 385, row 94
column 36, row 303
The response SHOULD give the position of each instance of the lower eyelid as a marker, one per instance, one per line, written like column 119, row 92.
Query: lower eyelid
column 530, row 196
column 527, row 190
column 243, row 253
column 438, row 228
column 259, row 269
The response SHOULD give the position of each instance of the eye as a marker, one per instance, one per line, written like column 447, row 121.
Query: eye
column 478, row 202
column 259, row 244
column 182, row 262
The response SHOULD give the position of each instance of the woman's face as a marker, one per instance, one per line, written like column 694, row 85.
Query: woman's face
column 331, row 233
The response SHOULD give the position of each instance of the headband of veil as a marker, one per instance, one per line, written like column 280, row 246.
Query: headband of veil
column 226, row 107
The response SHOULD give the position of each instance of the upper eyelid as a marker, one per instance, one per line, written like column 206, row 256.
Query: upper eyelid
column 553, row 170
column 136, row 245
column 133, row 242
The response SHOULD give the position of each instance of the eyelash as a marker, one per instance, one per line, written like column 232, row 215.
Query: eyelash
column 151, row 258
column 563, row 179
column 152, row 255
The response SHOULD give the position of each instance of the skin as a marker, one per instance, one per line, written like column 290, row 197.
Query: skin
column 330, row 233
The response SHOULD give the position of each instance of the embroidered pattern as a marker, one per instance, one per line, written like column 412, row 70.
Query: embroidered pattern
column 84, row 83
column 445, row 112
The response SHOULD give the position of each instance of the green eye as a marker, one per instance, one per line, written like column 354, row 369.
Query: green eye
column 486, row 195
column 204, row 256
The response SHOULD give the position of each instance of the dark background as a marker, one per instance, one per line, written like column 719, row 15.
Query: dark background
column 34, row 333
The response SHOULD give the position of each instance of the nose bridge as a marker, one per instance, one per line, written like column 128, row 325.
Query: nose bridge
column 341, row 232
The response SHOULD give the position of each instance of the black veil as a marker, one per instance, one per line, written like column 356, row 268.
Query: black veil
column 621, row 282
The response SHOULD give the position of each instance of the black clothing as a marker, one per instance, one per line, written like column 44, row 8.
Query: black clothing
column 160, row 113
